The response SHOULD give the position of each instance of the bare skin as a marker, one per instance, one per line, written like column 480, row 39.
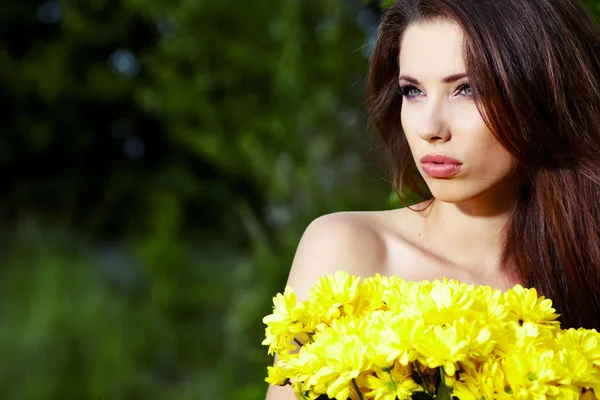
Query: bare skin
column 460, row 235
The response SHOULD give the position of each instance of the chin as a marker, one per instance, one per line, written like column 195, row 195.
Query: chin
column 452, row 191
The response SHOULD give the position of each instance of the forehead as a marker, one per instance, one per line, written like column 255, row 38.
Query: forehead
column 432, row 49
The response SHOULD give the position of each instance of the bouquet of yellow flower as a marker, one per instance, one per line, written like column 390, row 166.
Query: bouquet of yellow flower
column 385, row 338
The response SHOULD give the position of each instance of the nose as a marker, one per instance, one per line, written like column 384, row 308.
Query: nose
column 433, row 126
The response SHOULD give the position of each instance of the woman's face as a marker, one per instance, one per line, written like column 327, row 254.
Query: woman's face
column 440, row 118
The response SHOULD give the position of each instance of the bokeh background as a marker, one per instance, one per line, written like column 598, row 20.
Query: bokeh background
column 160, row 161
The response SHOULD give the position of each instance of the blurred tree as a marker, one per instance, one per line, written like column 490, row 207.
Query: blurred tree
column 193, row 141
column 109, row 102
column 271, row 95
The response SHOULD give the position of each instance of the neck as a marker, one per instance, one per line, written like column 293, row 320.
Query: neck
column 471, row 233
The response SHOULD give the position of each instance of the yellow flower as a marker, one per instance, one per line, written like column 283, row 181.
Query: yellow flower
column 303, row 392
column 467, row 389
column 585, row 341
column 284, row 324
column 524, row 305
column 570, row 392
column 370, row 334
column 574, row 368
column 484, row 381
column 579, row 355
column 334, row 296
column 374, row 291
column 348, row 359
column 514, row 336
column 277, row 376
column 404, row 298
column 489, row 306
column 531, row 373
column 447, row 301
column 391, row 384
column 443, row 347
column 303, row 365
column 335, row 357
column 393, row 337
column 480, row 340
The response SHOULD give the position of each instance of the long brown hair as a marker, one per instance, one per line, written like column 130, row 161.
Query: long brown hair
column 534, row 67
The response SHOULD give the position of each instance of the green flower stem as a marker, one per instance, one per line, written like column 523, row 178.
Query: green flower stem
column 425, row 385
column 443, row 392
column 392, row 379
column 357, row 389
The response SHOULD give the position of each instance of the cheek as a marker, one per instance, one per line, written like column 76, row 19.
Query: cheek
column 503, row 161
column 408, row 121
column 492, row 160
column 495, row 161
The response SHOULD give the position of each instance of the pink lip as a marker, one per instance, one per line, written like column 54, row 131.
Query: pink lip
column 440, row 166
column 439, row 159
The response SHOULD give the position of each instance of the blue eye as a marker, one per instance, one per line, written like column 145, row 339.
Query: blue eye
column 465, row 89
column 409, row 91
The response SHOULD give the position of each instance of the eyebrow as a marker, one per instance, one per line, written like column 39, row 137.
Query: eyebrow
column 446, row 80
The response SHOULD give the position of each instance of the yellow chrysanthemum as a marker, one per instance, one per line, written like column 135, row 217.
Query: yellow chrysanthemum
column 585, row 341
column 391, row 384
column 467, row 388
column 447, row 301
column 514, row 337
column 284, row 324
column 479, row 337
column 302, row 391
column 443, row 347
column 370, row 335
column 489, row 306
column 374, row 291
column 336, row 356
column 571, row 392
column 579, row 356
column 524, row 305
column 393, row 337
column 277, row 376
column 573, row 368
column 349, row 360
column 370, row 293
column 404, row 298
column 304, row 365
column 484, row 381
column 334, row 296
column 531, row 373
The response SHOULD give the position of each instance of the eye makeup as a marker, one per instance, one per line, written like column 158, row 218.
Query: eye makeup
column 410, row 91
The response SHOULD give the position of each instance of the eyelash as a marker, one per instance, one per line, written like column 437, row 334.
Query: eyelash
column 405, row 89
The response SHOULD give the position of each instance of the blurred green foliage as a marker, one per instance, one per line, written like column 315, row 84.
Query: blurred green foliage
column 160, row 161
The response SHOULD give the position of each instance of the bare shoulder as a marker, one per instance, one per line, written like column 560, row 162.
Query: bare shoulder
column 356, row 242
column 361, row 243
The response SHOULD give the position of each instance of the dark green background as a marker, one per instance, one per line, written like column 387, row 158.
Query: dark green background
column 159, row 162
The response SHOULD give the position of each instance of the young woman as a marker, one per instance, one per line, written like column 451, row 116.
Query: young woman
column 491, row 110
